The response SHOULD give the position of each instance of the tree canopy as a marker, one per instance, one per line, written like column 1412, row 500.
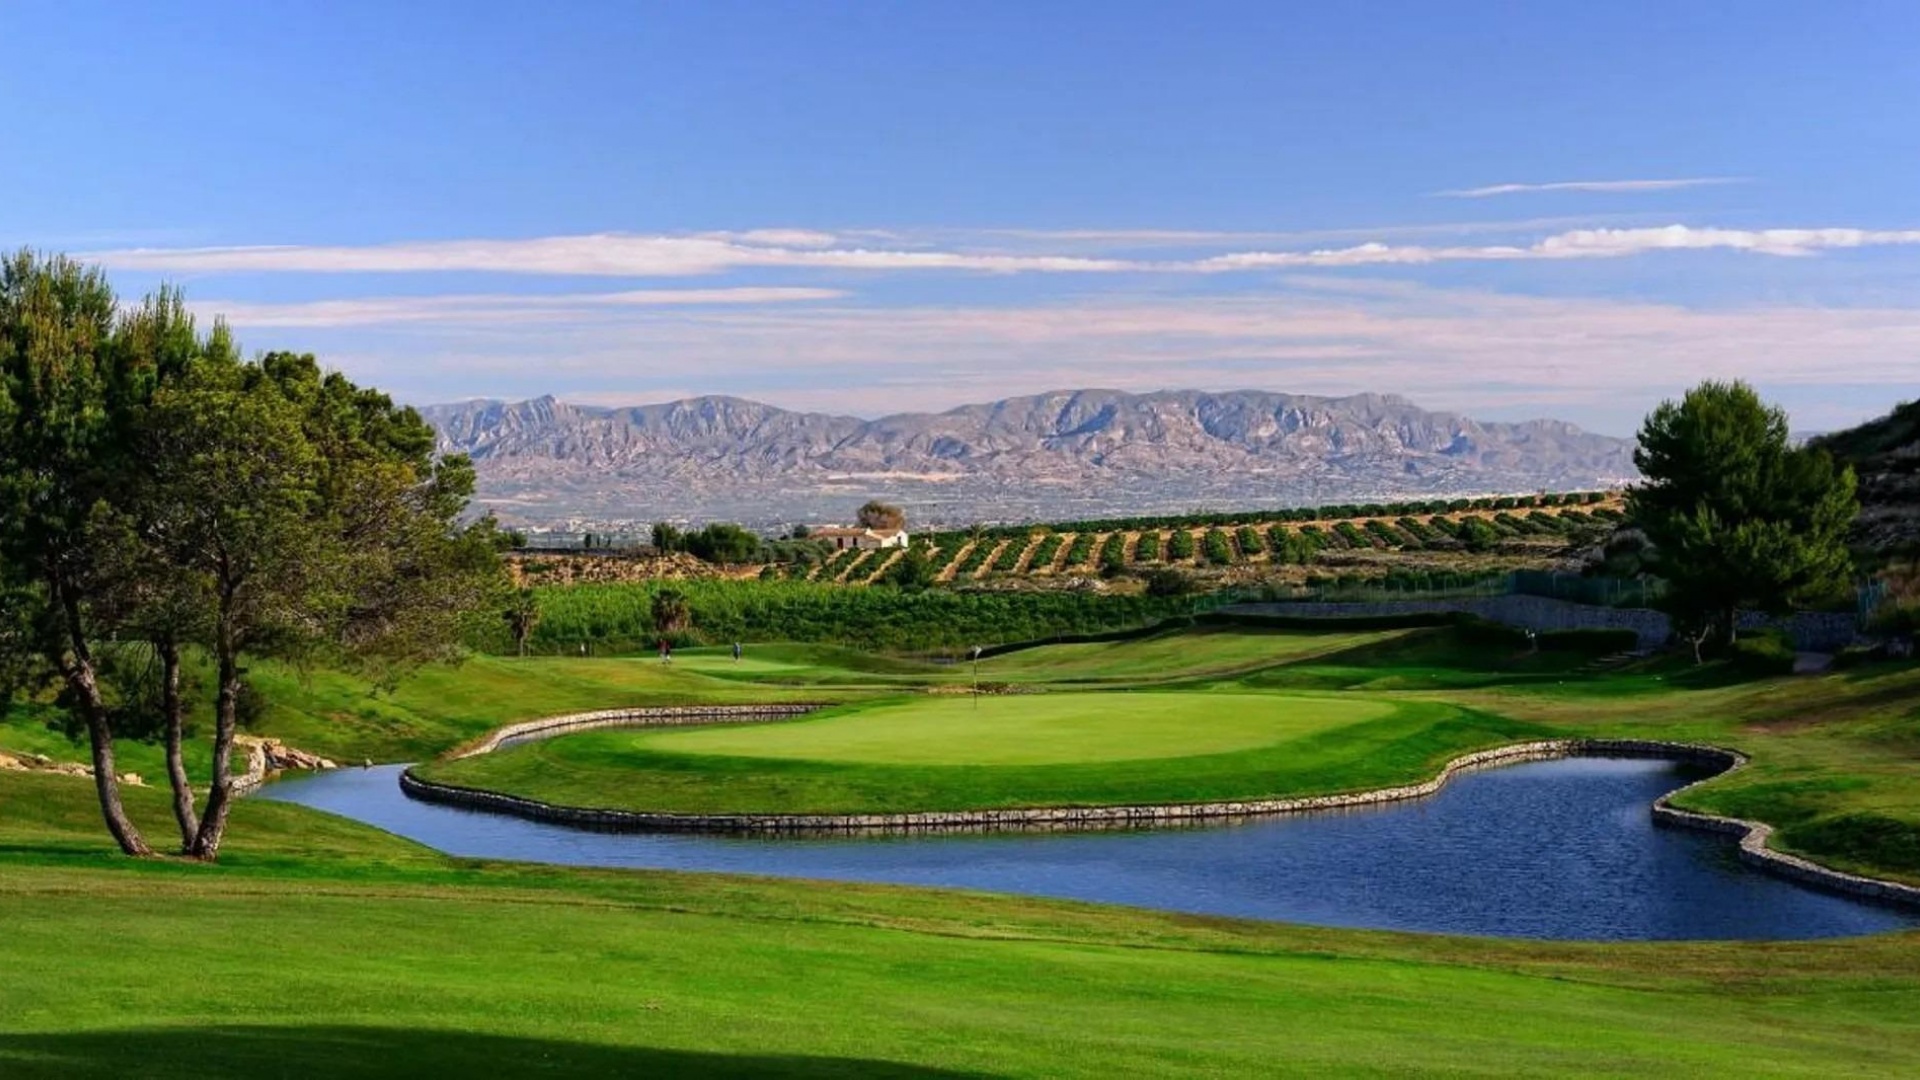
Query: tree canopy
column 1738, row 516
column 880, row 515
column 158, row 490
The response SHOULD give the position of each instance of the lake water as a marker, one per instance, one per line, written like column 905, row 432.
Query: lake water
column 1556, row 849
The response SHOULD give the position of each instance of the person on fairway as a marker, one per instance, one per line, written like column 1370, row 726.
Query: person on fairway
column 736, row 652
column 666, row 651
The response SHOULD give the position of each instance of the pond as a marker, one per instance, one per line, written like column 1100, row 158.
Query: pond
column 1554, row 849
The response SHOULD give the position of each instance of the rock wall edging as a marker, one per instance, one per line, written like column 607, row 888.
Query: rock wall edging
column 652, row 716
column 1812, row 631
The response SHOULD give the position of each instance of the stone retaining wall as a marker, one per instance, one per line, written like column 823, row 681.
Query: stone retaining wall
column 1810, row 631
column 663, row 716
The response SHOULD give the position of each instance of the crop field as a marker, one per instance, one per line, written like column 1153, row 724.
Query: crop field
column 1522, row 526
column 345, row 951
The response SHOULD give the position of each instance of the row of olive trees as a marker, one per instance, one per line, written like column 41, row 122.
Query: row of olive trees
column 158, row 491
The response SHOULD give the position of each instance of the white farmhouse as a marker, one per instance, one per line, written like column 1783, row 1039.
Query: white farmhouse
column 843, row 537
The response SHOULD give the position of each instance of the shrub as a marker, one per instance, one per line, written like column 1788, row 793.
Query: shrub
column 1009, row 556
column 1477, row 535
column 1044, row 555
column 1166, row 581
column 1080, row 552
column 1595, row 641
column 1148, row 549
column 1768, row 653
column 1219, row 552
column 1179, row 546
column 1249, row 540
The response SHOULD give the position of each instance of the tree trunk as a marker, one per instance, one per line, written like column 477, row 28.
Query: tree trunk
column 78, row 671
column 175, row 708
column 213, row 823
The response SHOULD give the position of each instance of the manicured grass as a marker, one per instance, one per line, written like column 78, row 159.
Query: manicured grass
column 1332, row 746
column 1162, row 657
column 1032, row 729
column 352, row 954
column 322, row 947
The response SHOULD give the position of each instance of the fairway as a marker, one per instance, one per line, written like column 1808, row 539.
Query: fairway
column 1032, row 729
column 1211, row 651
column 392, row 958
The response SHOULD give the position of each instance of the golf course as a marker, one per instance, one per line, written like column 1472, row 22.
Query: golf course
column 325, row 945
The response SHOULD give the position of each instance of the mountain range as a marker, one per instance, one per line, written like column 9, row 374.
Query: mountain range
column 1067, row 454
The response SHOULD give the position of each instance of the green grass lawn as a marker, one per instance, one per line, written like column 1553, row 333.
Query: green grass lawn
column 1030, row 729
column 321, row 947
column 1207, row 651
column 1065, row 749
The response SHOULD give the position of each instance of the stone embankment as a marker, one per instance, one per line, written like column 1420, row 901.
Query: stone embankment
column 662, row 716
column 1810, row 631
column 17, row 762
column 266, row 757
column 1753, row 835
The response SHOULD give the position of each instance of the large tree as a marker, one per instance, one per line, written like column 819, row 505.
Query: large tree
column 1739, row 517
column 66, row 395
column 879, row 515
column 316, row 519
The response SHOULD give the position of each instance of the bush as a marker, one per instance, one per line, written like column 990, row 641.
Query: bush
column 1043, row 556
column 1219, row 552
column 1148, row 549
column 1081, row 550
column 1009, row 556
column 1594, row 641
column 1180, row 546
column 1768, row 653
column 1476, row 535
column 1166, row 581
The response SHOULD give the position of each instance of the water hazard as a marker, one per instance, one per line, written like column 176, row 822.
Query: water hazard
column 1556, row 849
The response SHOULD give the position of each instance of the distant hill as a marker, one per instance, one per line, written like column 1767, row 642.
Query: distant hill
column 1886, row 455
column 1069, row 454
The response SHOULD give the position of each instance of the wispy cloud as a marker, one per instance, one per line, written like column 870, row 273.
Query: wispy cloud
column 1466, row 350
column 493, row 308
column 638, row 256
column 597, row 254
column 1601, row 186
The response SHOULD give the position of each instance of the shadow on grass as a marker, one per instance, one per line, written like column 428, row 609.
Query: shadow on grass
column 240, row 1051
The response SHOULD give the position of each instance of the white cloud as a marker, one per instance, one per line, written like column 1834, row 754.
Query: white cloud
column 1470, row 351
column 598, row 254
column 624, row 255
column 491, row 308
column 1602, row 186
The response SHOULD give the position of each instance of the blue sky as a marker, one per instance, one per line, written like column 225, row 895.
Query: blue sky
column 1505, row 209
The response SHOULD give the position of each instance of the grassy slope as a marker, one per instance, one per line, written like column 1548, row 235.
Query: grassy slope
column 327, row 948
column 1202, row 652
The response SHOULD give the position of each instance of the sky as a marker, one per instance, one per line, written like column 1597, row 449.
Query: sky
column 1510, row 210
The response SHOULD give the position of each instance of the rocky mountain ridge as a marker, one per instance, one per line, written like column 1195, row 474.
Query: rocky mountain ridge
column 1070, row 453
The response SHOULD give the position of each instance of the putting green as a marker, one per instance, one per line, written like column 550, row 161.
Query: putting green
column 1034, row 729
